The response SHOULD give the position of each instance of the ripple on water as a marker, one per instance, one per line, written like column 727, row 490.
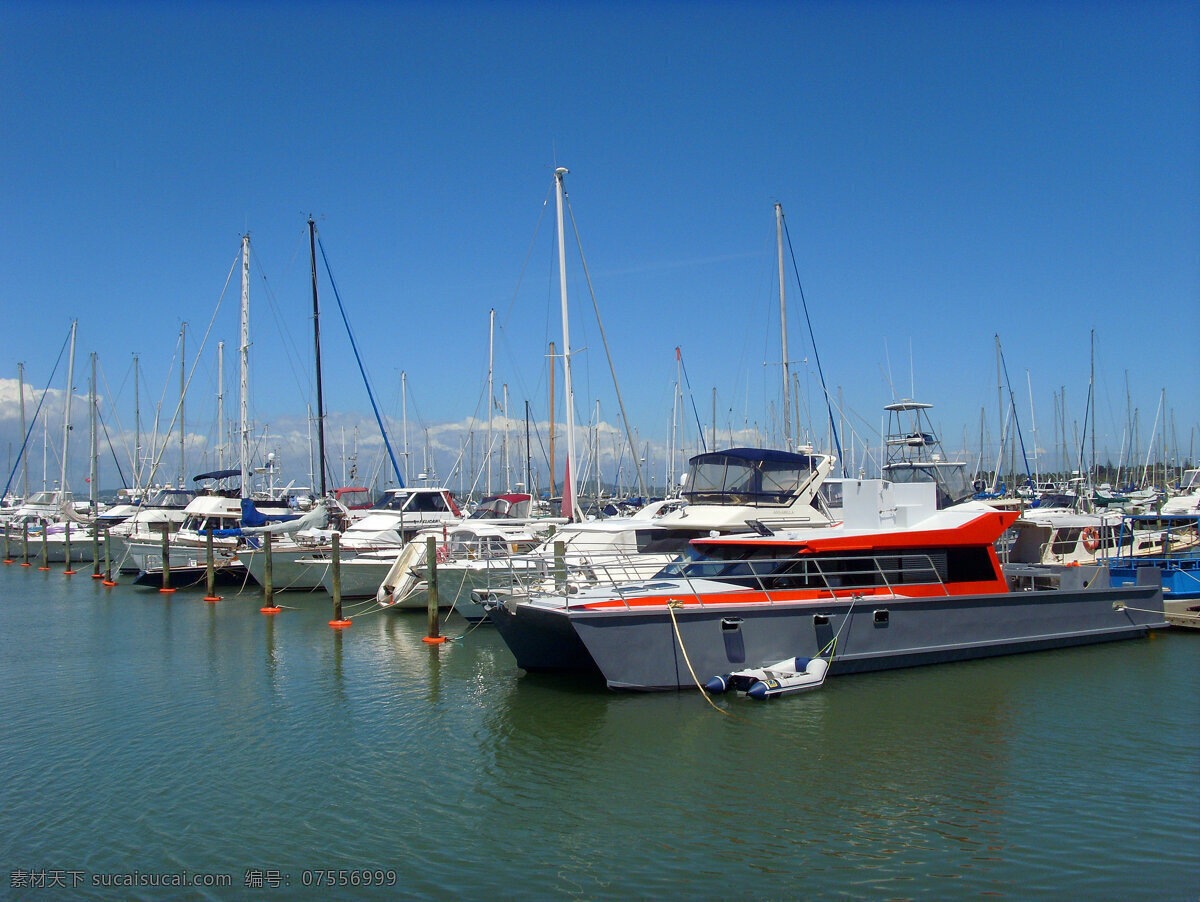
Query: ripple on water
column 167, row 734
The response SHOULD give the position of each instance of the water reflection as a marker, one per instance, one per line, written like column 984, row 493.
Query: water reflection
column 156, row 733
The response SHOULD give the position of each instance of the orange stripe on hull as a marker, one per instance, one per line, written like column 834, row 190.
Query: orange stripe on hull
column 816, row 596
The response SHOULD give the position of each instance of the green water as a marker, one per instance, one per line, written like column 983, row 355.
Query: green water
column 143, row 735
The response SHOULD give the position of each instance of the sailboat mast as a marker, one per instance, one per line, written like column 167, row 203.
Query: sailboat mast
column 62, row 485
column 596, row 452
column 404, row 413
column 672, row 448
column 1037, row 476
column 221, row 404
column 1001, row 421
column 182, row 392
column 491, row 395
column 553, row 478
column 787, row 379
column 244, row 353
column 312, row 254
column 568, row 395
column 93, row 475
column 1092, row 393
column 24, row 434
column 137, row 426
column 1163, row 402
column 312, row 467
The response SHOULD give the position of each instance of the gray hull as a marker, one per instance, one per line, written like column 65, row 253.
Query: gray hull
column 639, row 650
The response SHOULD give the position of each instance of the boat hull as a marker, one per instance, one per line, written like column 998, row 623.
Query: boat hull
column 292, row 569
column 186, row 576
column 651, row 649
column 461, row 583
column 360, row 576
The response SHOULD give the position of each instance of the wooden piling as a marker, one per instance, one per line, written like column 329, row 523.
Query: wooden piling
column 268, row 571
column 210, row 570
column 67, row 549
column 96, row 574
column 269, row 606
column 338, row 621
column 166, row 558
column 431, row 591
column 45, row 548
column 25, row 544
column 108, row 580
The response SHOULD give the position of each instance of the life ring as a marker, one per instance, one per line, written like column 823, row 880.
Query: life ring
column 1090, row 537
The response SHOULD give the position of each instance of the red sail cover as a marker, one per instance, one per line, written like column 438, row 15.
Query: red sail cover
column 568, row 503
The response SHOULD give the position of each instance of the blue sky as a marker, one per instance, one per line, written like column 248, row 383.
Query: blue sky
column 948, row 172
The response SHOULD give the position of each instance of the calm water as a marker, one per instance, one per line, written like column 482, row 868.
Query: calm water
column 140, row 734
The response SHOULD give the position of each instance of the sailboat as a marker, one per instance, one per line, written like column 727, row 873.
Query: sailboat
column 57, row 530
column 220, row 506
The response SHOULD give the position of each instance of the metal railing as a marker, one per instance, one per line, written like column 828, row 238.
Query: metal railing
column 627, row 577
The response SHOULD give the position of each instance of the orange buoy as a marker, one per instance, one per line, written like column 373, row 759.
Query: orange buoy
column 167, row 591
column 270, row 610
column 434, row 640
column 212, row 599
column 108, row 582
column 340, row 624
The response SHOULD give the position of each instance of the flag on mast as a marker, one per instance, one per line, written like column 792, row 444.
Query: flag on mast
column 568, row 503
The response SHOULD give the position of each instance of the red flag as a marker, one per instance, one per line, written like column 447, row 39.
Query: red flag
column 568, row 503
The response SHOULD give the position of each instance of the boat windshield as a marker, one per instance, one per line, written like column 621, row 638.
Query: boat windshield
column 354, row 499
column 726, row 479
column 724, row 561
column 171, row 499
column 469, row 545
column 412, row 502
column 502, row 507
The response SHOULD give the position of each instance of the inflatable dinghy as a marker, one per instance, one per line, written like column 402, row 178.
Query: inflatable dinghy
column 790, row 675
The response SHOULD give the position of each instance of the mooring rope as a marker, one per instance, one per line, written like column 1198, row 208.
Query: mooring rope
column 1187, row 615
column 672, row 604
column 474, row 626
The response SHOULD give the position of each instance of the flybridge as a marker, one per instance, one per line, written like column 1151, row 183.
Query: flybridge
column 751, row 476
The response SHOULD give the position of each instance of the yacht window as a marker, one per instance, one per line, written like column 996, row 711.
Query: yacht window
column 425, row 502
column 355, row 499
column 392, row 501
column 493, row 509
column 1065, row 540
column 662, row 541
column 735, row 481
column 968, row 565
